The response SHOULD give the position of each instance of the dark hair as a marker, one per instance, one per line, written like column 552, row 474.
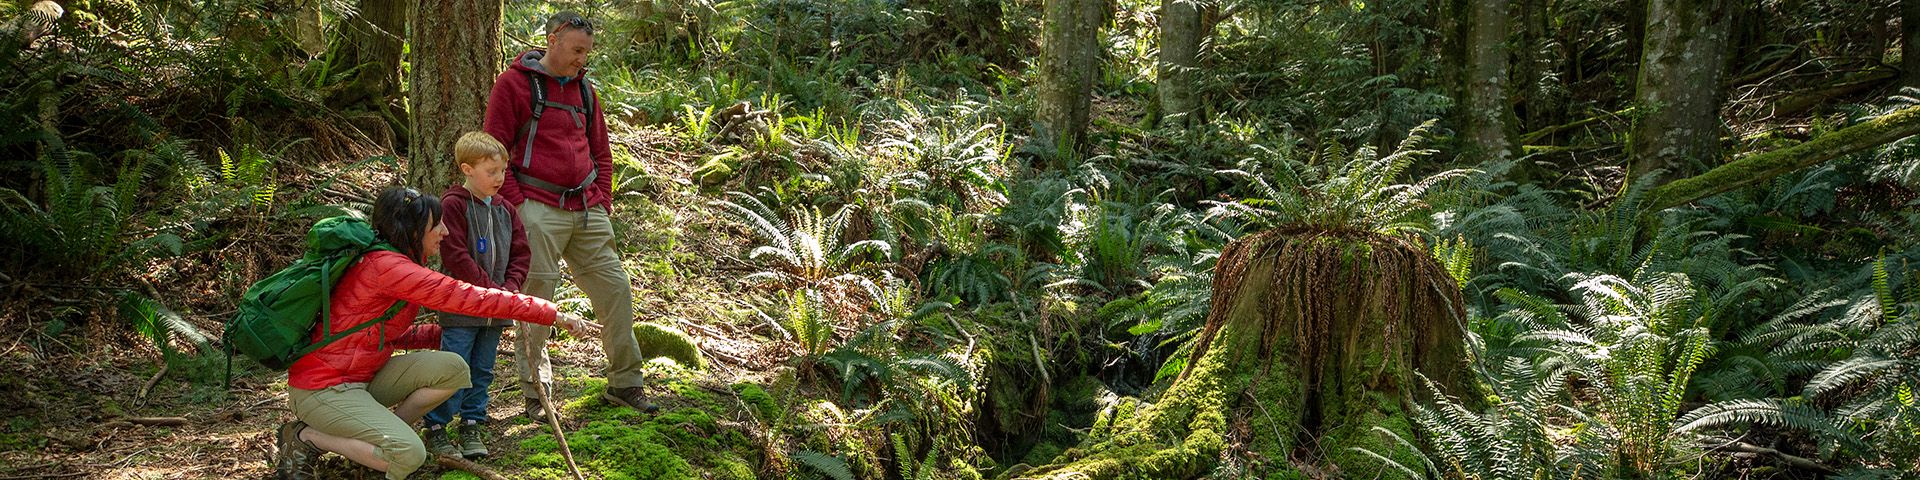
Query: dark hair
column 402, row 217
column 567, row 18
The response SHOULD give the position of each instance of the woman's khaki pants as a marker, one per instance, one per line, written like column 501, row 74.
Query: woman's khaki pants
column 360, row 410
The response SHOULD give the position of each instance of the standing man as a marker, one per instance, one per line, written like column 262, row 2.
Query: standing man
column 545, row 111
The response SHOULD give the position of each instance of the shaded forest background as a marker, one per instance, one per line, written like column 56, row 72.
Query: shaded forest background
column 981, row 238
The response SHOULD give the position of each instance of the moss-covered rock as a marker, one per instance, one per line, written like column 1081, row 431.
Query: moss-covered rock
column 662, row 341
column 717, row 169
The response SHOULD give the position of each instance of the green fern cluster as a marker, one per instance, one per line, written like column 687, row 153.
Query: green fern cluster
column 1357, row 193
column 1639, row 346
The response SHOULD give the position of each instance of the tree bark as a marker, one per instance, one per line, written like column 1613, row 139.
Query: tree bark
column 1486, row 109
column 377, row 38
column 456, row 54
column 1760, row 168
column 1069, row 67
column 304, row 25
column 1910, row 43
column 1540, row 102
column 1678, row 94
column 1180, row 40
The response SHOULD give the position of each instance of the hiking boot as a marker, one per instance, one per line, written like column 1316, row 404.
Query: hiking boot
column 535, row 411
column 630, row 397
column 439, row 444
column 295, row 461
column 473, row 439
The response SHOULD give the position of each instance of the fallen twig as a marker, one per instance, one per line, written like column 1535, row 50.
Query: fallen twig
column 1791, row 460
column 468, row 466
column 142, row 396
column 553, row 417
column 158, row 421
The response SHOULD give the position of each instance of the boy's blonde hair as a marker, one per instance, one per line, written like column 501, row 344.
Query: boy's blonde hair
column 476, row 147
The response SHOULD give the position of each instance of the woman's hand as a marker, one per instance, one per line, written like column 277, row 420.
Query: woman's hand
column 578, row 327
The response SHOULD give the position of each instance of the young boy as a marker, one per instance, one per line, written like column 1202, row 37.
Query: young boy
column 484, row 246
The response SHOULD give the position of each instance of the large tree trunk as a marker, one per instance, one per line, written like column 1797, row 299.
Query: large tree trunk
column 1486, row 109
column 376, row 38
column 1679, row 89
column 1541, row 100
column 1069, row 66
column 303, row 23
column 1313, row 340
column 1180, row 40
column 1910, row 43
column 1759, row 168
column 456, row 54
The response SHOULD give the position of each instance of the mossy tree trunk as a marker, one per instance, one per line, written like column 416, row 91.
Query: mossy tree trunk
column 1910, row 43
column 1180, row 39
column 1540, row 98
column 1313, row 340
column 376, row 39
column 1069, row 66
column 1678, row 94
column 1486, row 114
column 303, row 24
column 456, row 54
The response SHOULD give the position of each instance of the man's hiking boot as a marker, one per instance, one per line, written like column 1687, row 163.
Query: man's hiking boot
column 439, row 444
column 473, row 439
column 535, row 411
column 630, row 397
column 295, row 461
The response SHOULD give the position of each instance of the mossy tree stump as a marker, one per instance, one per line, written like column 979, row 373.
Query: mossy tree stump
column 1313, row 341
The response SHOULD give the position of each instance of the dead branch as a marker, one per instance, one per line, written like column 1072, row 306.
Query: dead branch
column 468, row 466
column 158, row 421
column 1791, row 460
column 553, row 418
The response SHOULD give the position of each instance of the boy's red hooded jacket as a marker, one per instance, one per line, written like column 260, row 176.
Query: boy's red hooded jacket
column 365, row 292
column 565, row 147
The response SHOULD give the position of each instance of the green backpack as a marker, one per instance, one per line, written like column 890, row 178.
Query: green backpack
column 277, row 315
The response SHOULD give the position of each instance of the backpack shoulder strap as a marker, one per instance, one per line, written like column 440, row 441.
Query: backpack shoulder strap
column 328, row 340
column 537, row 93
column 586, row 96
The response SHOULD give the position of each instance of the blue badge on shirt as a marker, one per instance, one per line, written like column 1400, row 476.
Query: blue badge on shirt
column 481, row 244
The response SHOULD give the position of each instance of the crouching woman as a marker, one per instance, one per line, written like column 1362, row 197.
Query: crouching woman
column 341, row 392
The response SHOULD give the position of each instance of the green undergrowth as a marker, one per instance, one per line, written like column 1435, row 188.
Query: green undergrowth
column 685, row 440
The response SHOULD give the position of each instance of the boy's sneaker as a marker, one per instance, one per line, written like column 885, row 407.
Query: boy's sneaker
column 295, row 461
column 473, row 439
column 438, row 443
column 630, row 397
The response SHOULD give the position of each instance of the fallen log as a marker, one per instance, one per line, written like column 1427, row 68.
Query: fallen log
column 1544, row 132
column 1802, row 101
column 1761, row 167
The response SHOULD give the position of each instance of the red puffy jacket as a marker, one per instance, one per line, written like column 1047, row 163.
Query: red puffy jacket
column 365, row 292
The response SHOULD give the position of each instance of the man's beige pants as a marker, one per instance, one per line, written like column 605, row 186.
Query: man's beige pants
column 585, row 240
column 359, row 410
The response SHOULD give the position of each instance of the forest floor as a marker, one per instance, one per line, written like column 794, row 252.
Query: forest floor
column 73, row 393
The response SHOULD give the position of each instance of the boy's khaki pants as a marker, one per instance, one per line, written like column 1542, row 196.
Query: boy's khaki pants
column 359, row 410
column 585, row 240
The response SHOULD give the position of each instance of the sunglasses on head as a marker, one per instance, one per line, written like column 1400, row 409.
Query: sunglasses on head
column 580, row 23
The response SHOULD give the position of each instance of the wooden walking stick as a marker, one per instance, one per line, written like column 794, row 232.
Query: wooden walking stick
column 553, row 418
